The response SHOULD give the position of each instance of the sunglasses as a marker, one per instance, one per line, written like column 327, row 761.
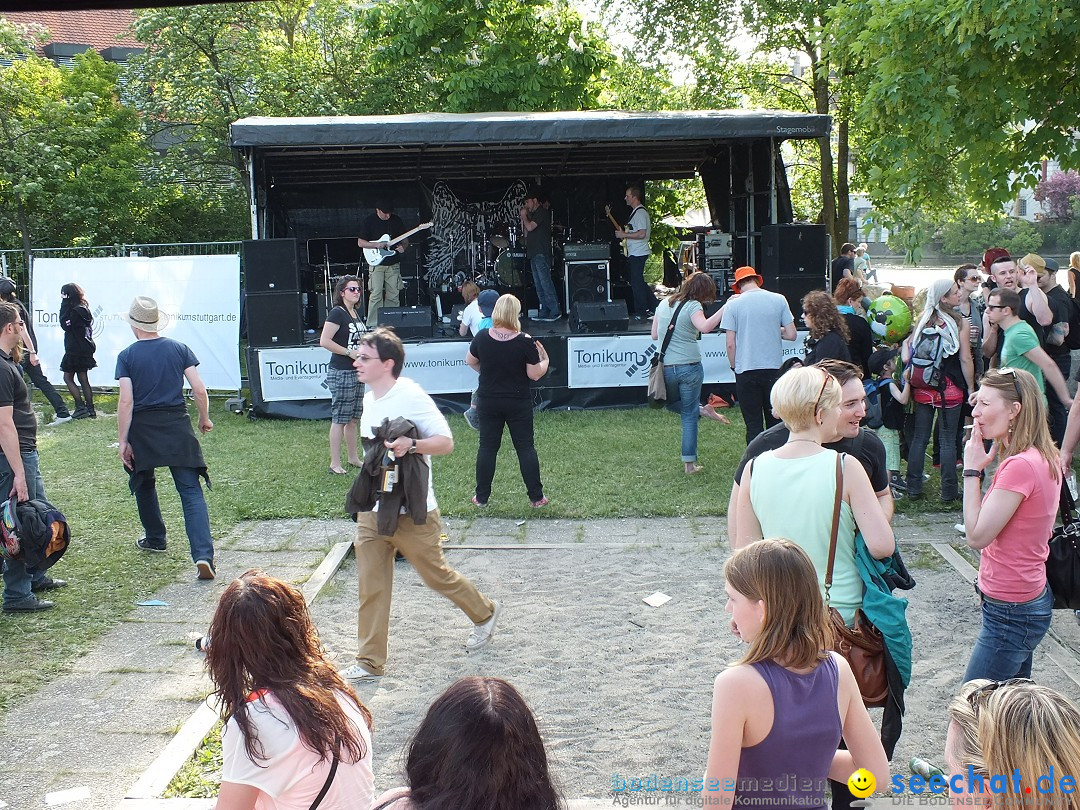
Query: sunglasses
column 977, row 694
column 1011, row 373
column 821, row 393
column 352, row 289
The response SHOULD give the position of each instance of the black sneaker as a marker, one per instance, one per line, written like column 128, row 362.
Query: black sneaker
column 47, row 583
column 30, row 604
column 80, row 412
column 204, row 569
column 145, row 545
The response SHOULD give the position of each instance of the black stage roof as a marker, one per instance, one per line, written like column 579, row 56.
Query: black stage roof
column 650, row 145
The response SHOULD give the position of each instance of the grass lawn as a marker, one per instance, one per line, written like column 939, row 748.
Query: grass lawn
column 594, row 464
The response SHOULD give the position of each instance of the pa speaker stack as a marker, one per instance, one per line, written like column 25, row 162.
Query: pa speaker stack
column 272, row 299
column 586, row 281
column 794, row 261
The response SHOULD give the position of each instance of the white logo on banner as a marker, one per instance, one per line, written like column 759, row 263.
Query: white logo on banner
column 200, row 296
column 624, row 360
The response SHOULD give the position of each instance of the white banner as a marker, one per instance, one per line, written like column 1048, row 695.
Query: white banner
column 200, row 295
column 439, row 368
column 623, row 360
column 298, row 373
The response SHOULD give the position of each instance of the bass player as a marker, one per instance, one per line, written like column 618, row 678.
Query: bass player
column 377, row 232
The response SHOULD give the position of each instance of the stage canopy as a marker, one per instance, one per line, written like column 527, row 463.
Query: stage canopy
column 650, row 145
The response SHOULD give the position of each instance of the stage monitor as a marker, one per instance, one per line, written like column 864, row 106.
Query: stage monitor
column 407, row 322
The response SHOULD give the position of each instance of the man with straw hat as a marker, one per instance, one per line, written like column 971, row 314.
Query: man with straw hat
column 154, row 430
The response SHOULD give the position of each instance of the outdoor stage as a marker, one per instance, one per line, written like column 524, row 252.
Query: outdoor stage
column 461, row 179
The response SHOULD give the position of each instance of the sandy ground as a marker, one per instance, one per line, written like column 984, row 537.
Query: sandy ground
column 621, row 688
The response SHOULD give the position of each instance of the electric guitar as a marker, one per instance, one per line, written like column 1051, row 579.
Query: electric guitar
column 618, row 227
column 375, row 256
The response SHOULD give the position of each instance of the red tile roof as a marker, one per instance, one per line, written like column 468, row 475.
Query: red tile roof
column 99, row 29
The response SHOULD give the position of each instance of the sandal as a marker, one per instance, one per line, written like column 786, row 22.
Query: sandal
column 338, row 472
column 693, row 470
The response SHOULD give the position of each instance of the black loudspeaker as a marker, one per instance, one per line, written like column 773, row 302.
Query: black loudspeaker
column 586, row 281
column 599, row 316
column 273, row 319
column 794, row 250
column 271, row 265
column 407, row 322
column 794, row 261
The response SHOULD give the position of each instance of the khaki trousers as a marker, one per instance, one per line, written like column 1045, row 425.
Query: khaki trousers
column 375, row 568
column 385, row 283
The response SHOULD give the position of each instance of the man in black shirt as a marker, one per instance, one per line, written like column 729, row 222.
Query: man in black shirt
column 19, row 473
column 862, row 443
column 843, row 265
column 1053, row 341
column 385, row 279
column 536, row 222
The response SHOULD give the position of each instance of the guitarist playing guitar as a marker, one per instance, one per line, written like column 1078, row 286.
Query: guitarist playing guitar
column 376, row 234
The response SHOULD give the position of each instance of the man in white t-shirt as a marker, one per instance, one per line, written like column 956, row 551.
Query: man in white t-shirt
column 378, row 365
column 637, row 234
column 756, row 321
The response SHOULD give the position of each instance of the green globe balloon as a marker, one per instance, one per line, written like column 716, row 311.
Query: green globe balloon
column 890, row 318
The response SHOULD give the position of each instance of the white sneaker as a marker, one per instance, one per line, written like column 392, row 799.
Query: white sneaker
column 59, row 420
column 359, row 673
column 482, row 633
column 960, row 528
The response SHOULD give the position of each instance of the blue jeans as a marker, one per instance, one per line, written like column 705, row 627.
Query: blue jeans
column 1009, row 635
column 683, row 383
column 545, row 287
column 17, row 577
column 196, row 515
column 922, row 424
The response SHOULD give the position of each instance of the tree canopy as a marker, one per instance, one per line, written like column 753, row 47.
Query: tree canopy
column 961, row 99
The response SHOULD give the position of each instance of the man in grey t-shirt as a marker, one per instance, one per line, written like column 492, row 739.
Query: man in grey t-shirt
column 536, row 222
column 756, row 322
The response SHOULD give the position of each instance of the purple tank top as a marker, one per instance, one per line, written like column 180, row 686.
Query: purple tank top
column 789, row 769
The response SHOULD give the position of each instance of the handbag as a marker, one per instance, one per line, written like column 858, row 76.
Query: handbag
column 861, row 645
column 657, row 391
column 1063, row 563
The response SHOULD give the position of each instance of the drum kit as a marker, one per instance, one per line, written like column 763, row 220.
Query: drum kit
column 495, row 255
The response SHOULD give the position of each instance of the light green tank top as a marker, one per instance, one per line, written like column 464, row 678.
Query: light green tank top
column 793, row 498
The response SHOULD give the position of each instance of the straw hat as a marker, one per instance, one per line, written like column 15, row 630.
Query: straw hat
column 144, row 315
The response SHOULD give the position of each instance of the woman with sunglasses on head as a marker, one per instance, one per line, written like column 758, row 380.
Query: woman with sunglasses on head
column 790, row 492
column 294, row 730
column 1006, row 727
column 1011, row 523
column 780, row 712
column 939, row 328
column 341, row 337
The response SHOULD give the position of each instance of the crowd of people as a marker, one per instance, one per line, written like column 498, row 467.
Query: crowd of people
column 297, row 735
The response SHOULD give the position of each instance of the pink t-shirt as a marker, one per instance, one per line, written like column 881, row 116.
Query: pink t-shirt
column 1013, row 566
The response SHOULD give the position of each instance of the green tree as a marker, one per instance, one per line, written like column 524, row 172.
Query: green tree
column 960, row 100
column 699, row 33
column 69, row 166
column 488, row 55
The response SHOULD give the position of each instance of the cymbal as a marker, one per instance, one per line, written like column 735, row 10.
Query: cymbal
column 500, row 242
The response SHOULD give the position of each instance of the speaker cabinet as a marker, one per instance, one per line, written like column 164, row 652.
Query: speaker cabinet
column 794, row 261
column 273, row 319
column 271, row 265
column 599, row 316
column 407, row 322
column 794, row 251
column 586, row 281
